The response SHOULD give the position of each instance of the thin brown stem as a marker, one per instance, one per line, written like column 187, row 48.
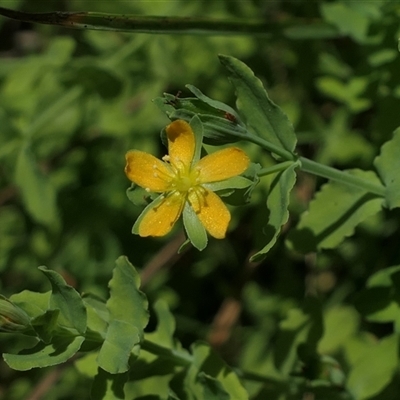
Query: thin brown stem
column 167, row 255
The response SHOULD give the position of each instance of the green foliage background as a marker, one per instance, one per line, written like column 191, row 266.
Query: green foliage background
column 73, row 102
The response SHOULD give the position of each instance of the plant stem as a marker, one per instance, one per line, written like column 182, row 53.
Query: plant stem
column 313, row 167
column 252, row 376
column 160, row 24
column 275, row 168
column 341, row 177
column 185, row 359
column 272, row 148
column 178, row 357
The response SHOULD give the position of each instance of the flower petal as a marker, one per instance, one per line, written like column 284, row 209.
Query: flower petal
column 211, row 211
column 222, row 164
column 159, row 220
column 181, row 143
column 147, row 171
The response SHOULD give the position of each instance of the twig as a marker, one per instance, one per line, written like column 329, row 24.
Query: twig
column 48, row 381
column 167, row 254
column 229, row 312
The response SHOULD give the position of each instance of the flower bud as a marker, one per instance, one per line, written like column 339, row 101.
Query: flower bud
column 12, row 317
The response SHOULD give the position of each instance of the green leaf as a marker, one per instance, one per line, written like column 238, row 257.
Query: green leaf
column 150, row 365
column 59, row 351
column 388, row 166
column 45, row 324
column 35, row 304
column 264, row 116
column 97, row 314
column 298, row 338
column 107, row 386
column 164, row 333
column 138, row 195
column 66, row 299
column 212, row 388
column 121, row 340
column 210, row 375
column 87, row 365
column 238, row 190
column 341, row 145
column 37, row 192
column 217, row 129
column 375, row 369
column 376, row 304
column 379, row 301
column 194, row 228
column 293, row 331
column 350, row 93
column 215, row 103
column 277, row 202
column 128, row 317
column 382, row 56
column 341, row 316
column 347, row 19
column 172, row 396
column 236, row 182
column 333, row 214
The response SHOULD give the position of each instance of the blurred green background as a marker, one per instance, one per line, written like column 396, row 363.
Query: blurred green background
column 73, row 102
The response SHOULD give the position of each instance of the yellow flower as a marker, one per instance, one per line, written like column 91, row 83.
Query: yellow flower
column 183, row 180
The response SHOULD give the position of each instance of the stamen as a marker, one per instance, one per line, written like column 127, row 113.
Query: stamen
column 179, row 166
column 199, row 192
column 161, row 174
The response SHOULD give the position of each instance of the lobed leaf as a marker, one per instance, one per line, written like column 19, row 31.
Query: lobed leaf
column 212, row 388
column 298, row 336
column 66, row 299
column 218, row 105
column 107, row 386
column 375, row 369
column 341, row 316
column 277, row 202
column 261, row 113
column 164, row 333
column 97, row 314
column 333, row 214
column 45, row 325
column 35, row 304
column 210, row 376
column 59, row 351
column 219, row 127
column 379, row 301
column 128, row 317
column 121, row 340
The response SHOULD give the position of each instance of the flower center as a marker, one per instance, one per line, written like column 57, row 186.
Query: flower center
column 185, row 179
